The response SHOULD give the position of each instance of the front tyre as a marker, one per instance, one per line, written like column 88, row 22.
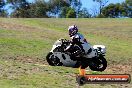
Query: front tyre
column 98, row 64
column 53, row 60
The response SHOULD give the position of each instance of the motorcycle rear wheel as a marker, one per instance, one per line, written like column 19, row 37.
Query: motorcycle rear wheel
column 98, row 64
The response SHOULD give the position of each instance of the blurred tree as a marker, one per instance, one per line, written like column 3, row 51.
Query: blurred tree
column 71, row 13
column 55, row 6
column 128, row 6
column 64, row 11
column 84, row 13
column 38, row 9
column 102, row 4
column 62, row 7
column 20, row 8
column 15, row 4
column 2, row 4
column 128, row 2
column 3, row 12
column 114, row 10
column 76, row 4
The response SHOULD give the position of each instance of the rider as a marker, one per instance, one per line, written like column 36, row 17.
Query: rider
column 78, row 39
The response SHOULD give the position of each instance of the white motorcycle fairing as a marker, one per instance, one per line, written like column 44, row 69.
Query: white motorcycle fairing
column 65, row 59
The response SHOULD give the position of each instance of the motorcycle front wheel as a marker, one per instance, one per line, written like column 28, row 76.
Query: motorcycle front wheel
column 53, row 60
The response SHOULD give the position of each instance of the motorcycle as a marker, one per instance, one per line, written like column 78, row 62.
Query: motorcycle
column 74, row 56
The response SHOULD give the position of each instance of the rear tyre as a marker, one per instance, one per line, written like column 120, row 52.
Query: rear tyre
column 53, row 60
column 99, row 64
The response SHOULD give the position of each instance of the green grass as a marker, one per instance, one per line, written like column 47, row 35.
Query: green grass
column 24, row 44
